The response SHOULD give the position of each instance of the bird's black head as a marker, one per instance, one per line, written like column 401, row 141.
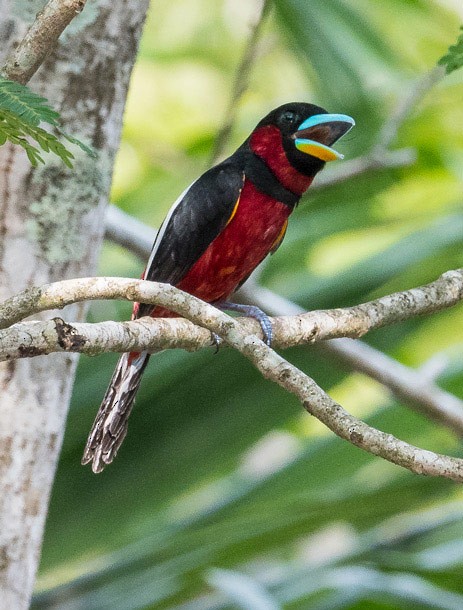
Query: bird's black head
column 307, row 134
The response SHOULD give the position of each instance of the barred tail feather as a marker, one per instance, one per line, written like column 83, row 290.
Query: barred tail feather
column 110, row 425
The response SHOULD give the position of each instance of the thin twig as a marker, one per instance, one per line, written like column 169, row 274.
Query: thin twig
column 40, row 39
column 374, row 161
column 406, row 106
column 129, row 232
column 240, row 83
column 268, row 362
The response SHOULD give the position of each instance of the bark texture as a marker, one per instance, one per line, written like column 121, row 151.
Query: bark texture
column 51, row 227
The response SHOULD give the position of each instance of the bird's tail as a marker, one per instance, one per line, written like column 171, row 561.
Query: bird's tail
column 110, row 425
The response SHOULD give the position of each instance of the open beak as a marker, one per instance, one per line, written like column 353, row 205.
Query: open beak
column 317, row 133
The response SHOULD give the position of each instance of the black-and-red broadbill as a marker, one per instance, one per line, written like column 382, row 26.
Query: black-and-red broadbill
column 216, row 233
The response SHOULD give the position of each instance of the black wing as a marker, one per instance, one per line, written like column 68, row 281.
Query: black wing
column 193, row 222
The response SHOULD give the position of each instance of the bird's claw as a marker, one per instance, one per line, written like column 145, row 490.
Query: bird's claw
column 253, row 312
column 216, row 341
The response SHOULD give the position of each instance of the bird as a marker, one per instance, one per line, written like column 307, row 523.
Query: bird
column 217, row 232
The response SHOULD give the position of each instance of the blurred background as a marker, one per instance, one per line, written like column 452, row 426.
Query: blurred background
column 226, row 494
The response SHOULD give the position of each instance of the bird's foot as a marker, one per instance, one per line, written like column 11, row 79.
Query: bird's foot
column 252, row 312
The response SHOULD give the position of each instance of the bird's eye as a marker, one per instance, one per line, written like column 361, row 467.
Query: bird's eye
column 288, row 118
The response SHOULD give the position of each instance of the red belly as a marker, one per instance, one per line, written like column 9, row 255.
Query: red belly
column 240, row 247
column 259, row 222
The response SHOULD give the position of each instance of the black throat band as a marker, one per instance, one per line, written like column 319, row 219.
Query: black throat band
column 265, row 180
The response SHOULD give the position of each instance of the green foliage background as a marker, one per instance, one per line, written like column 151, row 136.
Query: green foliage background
column 225, row 494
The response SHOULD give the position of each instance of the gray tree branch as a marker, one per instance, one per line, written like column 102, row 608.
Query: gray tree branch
column 406, row 106
column 41, row 39
column 289, row 331
column 272, row 366
column 241, row 81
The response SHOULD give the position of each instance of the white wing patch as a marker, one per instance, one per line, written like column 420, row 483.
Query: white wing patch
column 163, row 227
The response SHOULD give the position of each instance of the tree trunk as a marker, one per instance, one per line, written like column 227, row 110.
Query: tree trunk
column 51, row 227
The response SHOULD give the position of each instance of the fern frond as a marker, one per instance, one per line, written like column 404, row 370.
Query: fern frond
column 21, row 113
column 15, row 130
column 24, row 103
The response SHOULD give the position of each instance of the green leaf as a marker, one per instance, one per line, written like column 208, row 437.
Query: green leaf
column 453, row 60
column 24, row 103
column 21, row 112
column 87, row 149
column 15, row 130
